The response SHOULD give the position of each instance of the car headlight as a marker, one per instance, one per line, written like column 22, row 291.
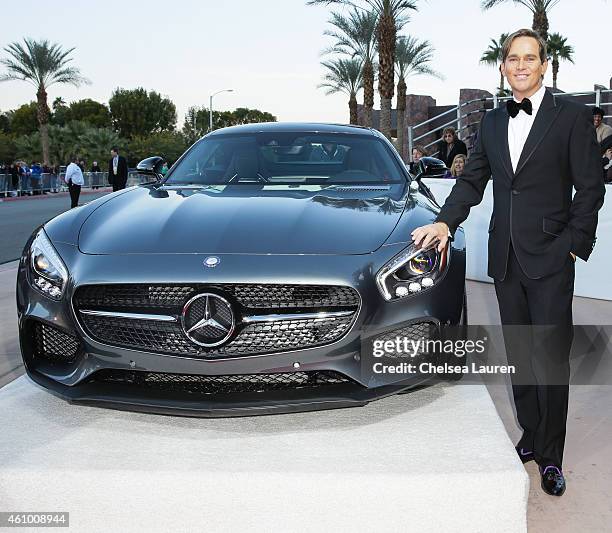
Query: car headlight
column 413, row 270
column 48, row 272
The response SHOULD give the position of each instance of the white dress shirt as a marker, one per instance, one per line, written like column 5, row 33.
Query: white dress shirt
column 520, row 126
column 73, row 172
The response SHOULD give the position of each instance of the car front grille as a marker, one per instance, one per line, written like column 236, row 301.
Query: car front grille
column 251, row 296
column 54, row 345
column 224, row 384
column 294, row 317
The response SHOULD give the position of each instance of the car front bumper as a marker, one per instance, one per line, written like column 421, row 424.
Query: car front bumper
column 136, row 373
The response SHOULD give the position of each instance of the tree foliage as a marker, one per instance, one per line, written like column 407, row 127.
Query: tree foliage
column 200, row 117
column 79, row 138
column 90, row 111
column 168, row 144
column 136, row 112
column 23, row 120
column 7, row 148
column 41, row 64
column 344, row 75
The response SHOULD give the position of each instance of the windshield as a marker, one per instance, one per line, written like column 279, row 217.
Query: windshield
column 287, row 158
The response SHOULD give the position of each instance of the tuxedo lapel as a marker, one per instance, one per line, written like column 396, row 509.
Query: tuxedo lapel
column 501, row 134
column 543, row 121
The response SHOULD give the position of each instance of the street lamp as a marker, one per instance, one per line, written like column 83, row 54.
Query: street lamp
column 210, row 110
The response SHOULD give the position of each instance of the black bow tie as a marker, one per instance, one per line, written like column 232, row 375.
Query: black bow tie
column 514, row 107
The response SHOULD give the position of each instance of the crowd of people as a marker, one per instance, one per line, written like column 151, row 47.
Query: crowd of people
column 28, row 176
column 453, row 152
column 23, row 179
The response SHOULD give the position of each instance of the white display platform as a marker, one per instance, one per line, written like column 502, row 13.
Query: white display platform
column 592, row 277
column 434, row 460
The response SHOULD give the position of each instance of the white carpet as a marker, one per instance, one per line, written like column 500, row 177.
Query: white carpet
column 436, row 460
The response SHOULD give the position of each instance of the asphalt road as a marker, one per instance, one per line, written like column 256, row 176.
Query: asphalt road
column 19, row 218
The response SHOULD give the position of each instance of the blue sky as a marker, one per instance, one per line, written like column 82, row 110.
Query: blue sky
column 268, row 51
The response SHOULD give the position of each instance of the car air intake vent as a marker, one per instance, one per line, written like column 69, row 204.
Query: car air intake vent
column 54, row 345
column 224, row 384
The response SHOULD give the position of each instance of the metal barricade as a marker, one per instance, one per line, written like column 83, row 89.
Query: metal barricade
column 52, row 183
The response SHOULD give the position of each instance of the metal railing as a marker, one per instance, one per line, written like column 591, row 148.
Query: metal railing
column 53, row 183
column 462, row 123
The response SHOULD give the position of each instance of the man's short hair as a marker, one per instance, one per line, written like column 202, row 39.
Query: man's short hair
column 524, row 32
column 115, row 149
column 598, row 111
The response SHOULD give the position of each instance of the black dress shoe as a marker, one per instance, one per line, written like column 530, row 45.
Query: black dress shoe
column 553, row 482
column 524, row 455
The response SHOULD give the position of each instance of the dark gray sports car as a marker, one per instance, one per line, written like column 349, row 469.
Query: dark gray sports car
column 249, row 280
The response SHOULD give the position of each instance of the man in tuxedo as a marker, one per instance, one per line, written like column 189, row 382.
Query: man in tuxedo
column 535, row 149
column 117, row 170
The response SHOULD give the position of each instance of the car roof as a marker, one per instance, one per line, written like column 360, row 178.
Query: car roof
column 295, row 127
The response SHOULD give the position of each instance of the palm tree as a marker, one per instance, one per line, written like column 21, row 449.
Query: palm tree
column 389, row 13
column 539, row 8
column 493, row 56
column 411, row 58
column 42, row 64
column 355, row 35
column 344, row 75
column 558, row 49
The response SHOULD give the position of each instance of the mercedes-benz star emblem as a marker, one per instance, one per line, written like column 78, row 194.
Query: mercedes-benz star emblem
column 208, row 320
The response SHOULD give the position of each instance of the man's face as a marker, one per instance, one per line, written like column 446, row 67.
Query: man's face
column 597, row 120
column 523, row 67
column 113, row 153
column 449, row 138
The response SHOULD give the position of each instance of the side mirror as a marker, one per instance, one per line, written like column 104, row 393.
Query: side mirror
column 430, row 167
column 152, row 166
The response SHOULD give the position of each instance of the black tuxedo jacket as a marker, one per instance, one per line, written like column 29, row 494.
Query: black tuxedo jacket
column 122, row 171
column 533, row 207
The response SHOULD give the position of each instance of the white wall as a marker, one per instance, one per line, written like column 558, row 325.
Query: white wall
column 593, row 278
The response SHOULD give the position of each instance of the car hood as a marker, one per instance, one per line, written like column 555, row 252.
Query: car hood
column 244, row 220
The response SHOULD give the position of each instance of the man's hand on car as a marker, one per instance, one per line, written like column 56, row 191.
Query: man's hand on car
column 430, row 233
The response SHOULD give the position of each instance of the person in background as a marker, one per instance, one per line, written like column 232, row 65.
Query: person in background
column 36, row 177
column 117, row 170
column 607, row 165
column 450, row 146
column 24, row 174
column 458, row 165
column 14, row 172
column 74, row 179
column 417, row 152
column 601, row 128
column 164, row 168
column 606, row 158
column 96, row 181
